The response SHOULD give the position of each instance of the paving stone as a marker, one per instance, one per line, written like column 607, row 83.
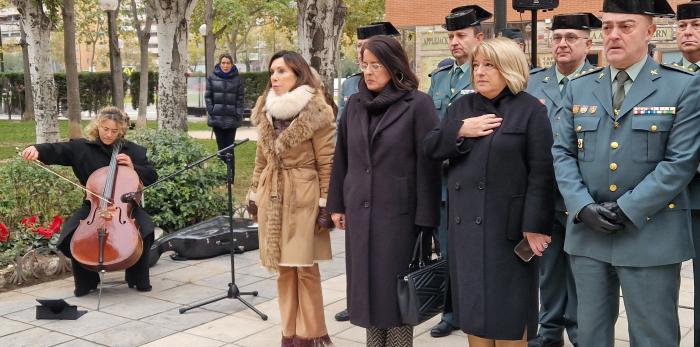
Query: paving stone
column 222, row 280
column 230, row 306
column 339, row 342
column 79, row 343
column 266, row 288
column 185, row 294
column 89, row 323
column 9, row 326
column 184, row 340
column 338, row 283
column 14, row 301
column 230, row 329
column 173, row 319
column 269, row 307
column 355, row 333
column 27, row 315
column 34, row 337
column 425, row 340
column 160, row 284
column 195, row 272
column 139, row 307
column 334, row 327
column 134, row 333
column 269, row 337
column 162, row 267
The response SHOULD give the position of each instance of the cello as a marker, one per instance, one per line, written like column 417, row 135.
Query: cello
column 108, row 239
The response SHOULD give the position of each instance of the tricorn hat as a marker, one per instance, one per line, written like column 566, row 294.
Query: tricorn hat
column 690, row 10
column 57, row 309
column 377, row 28
column 511, row 33
column 656, row 8
column 578, row 21
column 465, row 16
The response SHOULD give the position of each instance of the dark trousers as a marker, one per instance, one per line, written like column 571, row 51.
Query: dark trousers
column 696, row 275
column 651, row 302
column 442, row 237
column 225, row 138
column 557, row 287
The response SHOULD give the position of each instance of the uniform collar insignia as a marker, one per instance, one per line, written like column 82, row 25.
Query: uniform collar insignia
column 654, row 72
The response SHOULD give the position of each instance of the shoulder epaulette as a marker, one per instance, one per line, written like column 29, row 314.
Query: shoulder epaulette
column 442, row 68
column 355, row 74
column 677, row 67
column 587, row 72
column 536, row 70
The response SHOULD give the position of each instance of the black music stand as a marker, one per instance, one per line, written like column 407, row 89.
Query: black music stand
column 233, row 291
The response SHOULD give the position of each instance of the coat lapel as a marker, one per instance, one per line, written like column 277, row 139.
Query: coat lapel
column 642, row 87
column 603, row 91
column 550, row 88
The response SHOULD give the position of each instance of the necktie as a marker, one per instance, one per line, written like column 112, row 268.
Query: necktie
column 562, row 84
column 693, row 67
column 456, row 74
column 619, row 95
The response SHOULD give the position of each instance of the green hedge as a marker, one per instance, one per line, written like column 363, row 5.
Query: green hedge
column 96, row 89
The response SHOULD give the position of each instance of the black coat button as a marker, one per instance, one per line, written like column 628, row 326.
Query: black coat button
column 367, row 170
column 457, row 186
column 458, row 220
column 481, row 185
column 477, row 220
column 365, row 204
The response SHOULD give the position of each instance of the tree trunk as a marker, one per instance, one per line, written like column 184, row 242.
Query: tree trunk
column 209, row 39
column 144, row 35
column 28, row 114
column 172, row 17
column 38, row 29
column 115, row 61
column 319, row 27
column 73, row 91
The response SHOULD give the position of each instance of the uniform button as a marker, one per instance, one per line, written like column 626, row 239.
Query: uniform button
column 458, row 220
column 613, row 188
column 558, row 117
column 458, row 186
column 613, row 166
column 653, row 128
column 616, row 125
column 579, row 128
column 614, row 145
column 477, row 220
column 671, row 205
column 365, row 204
column 450, row 104
column 648, row 219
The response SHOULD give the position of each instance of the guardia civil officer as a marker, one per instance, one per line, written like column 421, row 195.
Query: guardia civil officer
column 688, row 39
column 514, row 34
column 350, row 85
column 625, row 152
column 570, row 43
column 447, row 84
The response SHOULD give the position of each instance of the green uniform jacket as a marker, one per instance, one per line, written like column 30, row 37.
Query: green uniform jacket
column 644, row 161
column 543, row 85
column 440, row 88
column 350, row 86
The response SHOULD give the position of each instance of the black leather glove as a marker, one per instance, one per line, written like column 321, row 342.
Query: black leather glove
column 600, row 219
column 324, row 219
column 252, row 209
column 620, row 217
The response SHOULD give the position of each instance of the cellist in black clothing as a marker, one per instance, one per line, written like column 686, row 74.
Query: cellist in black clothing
column 85, row 156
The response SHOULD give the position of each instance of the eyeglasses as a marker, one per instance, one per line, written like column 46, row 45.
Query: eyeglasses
column 569, row 38
column 371, row 67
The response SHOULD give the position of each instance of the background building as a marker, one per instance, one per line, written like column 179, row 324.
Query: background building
column 426, row 41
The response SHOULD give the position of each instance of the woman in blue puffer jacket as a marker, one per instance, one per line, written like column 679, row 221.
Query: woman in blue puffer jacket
column 224, row 97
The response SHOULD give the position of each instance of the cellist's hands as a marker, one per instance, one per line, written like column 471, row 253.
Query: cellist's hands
column 30, row 153
column 123, row 159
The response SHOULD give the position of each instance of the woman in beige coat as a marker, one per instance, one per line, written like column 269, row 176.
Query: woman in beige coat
column 288, row 193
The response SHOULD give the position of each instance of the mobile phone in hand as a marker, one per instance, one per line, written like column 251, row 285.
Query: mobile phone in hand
column 523, row 250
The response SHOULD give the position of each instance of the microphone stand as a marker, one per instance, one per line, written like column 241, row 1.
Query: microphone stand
column 233, row 291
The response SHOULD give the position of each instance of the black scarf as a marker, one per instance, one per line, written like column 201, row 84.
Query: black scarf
column 377, row 103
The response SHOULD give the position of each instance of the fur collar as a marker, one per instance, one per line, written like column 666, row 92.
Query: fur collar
column 314, row 115
column 288, row 105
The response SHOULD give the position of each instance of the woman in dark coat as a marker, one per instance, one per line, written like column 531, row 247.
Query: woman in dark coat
column 383, row 188
column 85, row 156
column 500, row 179
column 224, row 96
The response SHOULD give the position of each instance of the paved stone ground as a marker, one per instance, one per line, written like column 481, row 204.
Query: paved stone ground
column 131, row 318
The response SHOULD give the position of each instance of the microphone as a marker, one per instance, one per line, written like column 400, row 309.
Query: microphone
column 128, row 197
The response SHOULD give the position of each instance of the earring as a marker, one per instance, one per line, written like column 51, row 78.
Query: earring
column 399, row 75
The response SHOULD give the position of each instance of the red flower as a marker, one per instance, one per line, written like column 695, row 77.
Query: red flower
column 4, row 234
column 47, row 233
column 29, row 222
column 55, row 225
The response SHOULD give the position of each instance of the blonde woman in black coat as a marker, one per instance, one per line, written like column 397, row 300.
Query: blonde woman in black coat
column 500, row 177
column 383, row 188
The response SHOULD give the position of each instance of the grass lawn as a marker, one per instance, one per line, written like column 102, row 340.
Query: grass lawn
column 21, row 134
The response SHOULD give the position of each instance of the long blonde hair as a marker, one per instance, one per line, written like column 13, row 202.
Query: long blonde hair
column 107, row 113
column 509, row 60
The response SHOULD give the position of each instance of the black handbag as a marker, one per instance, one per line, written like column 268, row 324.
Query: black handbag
column 422, row 289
